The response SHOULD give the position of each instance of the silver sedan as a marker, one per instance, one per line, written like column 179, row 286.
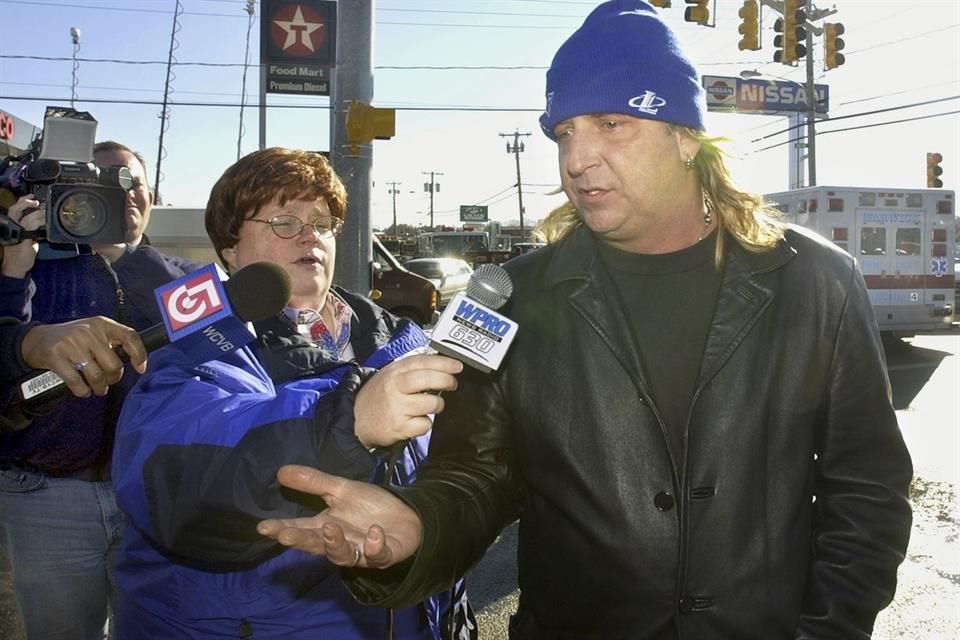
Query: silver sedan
column 449, row 275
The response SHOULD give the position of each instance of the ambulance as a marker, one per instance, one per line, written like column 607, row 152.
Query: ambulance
column 903, row 239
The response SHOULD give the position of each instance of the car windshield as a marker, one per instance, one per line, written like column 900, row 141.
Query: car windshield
column 425, row 269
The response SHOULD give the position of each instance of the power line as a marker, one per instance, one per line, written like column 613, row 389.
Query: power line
column 866, row 113
column 117, row 61
column 287, row 106
column 904, row 39
column 379, row 22
column 128, row 9
column 414, row 67
column 865, row 126
column 505, row 197
column 241, row 64
column 157, row 103
column 501, row 192
column 415, row 108
column 477, row 13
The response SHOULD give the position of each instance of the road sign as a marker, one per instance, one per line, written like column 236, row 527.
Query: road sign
column 473, row 213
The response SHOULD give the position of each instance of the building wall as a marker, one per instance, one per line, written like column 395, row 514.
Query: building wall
column 181, row 232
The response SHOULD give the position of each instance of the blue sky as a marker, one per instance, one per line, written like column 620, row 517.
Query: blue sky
column 898, row 53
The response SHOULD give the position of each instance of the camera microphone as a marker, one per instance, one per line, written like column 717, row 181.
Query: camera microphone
column 202, row 316
column 470, row 329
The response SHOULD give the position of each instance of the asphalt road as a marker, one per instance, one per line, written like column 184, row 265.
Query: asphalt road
column 925, row 375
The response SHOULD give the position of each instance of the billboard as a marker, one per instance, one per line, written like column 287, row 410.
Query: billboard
column 473, row 213
column 755, row 95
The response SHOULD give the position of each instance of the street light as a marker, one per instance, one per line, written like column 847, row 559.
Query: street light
column 810, row 90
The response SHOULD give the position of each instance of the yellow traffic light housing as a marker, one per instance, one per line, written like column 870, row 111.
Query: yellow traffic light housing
column 832, row 44
column 663, row 4
column 749, row 26
column 697, row 11
column 934, row 171
column 366, row 123
column 790, row 42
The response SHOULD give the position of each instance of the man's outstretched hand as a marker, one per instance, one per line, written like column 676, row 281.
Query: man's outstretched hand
column 364, row 525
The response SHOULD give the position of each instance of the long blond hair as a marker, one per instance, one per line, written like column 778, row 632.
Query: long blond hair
column 743, row 215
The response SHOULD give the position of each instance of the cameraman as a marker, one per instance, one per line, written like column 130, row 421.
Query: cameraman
column 57, row 509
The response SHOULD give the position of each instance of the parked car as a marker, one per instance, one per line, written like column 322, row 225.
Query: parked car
column 525, row 247
column 401, row 291
column 448, row 275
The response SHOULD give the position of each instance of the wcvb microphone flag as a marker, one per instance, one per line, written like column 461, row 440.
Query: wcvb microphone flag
column 198, row 317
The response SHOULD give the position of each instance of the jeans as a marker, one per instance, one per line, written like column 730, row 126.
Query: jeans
column 60, row 536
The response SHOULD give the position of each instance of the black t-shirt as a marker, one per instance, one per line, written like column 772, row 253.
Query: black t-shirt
column 669, row 300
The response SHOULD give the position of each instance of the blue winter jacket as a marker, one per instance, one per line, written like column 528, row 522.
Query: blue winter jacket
column 77, row 433
column 194, row 468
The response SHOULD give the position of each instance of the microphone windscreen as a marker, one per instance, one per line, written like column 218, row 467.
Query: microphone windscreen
column 490, row 285
column 259, row 291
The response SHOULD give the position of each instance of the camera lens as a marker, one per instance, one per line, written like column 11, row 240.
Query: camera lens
column 124, row 178
column 82, row 213
column 115, row 176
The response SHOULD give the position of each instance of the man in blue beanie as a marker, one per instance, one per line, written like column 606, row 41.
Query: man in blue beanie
column 694, row 426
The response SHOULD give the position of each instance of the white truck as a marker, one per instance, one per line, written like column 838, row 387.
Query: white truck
column 903, row 239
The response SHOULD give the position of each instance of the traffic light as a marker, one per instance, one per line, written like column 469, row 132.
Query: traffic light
column 749, row 26
column 832, row 44
column 697, row 11
column 364, row 123
column 934, row 171
column 663, row 4
column 791, row 33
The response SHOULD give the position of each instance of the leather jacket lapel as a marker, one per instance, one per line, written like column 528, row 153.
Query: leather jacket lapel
column 591, row 297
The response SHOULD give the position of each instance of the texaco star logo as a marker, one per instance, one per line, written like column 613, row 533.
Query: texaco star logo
column 298, row 30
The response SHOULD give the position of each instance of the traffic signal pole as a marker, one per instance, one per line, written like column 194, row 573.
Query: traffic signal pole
column 811, row 107
column 353, row 82
column 796, row 30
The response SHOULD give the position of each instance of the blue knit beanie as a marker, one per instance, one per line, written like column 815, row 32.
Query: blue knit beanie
column 623, row 59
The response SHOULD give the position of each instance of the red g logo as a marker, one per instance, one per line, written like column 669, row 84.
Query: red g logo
column 7, row 127
column 192, row 301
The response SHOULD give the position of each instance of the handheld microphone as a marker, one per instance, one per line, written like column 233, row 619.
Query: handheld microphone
column 470, row 329
column 203, row 316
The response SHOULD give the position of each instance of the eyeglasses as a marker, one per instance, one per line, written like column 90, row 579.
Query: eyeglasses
column 290, row 226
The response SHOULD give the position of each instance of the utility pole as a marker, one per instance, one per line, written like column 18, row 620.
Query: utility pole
column 393, row 191
column 246, row 66
column 515, row 149
column 353, row 82
column 811, row 105
column 75, row 36
column 431, row 188
column 165, row 108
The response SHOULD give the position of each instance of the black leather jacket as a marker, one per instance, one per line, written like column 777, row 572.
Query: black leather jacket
column 790, row 519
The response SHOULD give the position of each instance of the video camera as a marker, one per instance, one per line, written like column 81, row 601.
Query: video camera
column 84, row 204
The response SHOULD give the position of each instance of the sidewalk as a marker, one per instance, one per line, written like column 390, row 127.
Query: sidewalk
column 9, row 620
